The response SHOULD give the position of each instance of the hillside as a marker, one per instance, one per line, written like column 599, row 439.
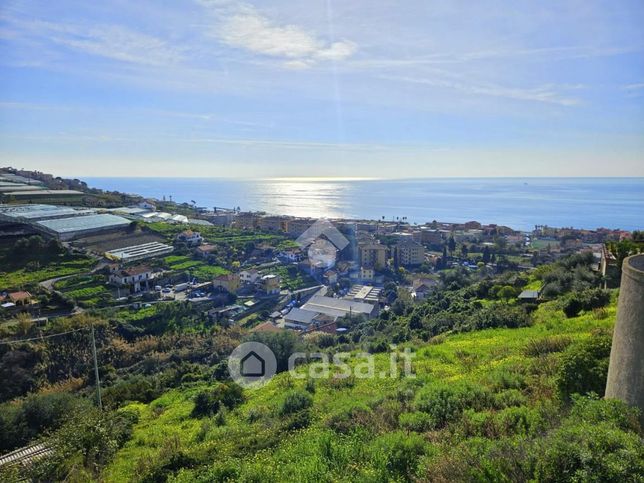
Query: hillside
column 485, row 405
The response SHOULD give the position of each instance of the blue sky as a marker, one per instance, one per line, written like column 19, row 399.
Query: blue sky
column 360, row 88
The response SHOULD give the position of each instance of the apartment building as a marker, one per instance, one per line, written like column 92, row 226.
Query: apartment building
column 407, row 252
column 372, row 254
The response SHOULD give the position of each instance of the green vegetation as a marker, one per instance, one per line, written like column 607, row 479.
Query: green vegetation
column 31, row 260
column 197, row 268
column 87, row 290
column 488, row 398
column 233, row 238
column 293, row 278
column 501, row 391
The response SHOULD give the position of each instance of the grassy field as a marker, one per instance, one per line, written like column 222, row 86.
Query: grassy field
column 255, row 442
column 54, row 268
column 198, row 268
column 87, row 290
column 233, row 237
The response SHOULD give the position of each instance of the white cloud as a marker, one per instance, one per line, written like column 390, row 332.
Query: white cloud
column 634, row 87
column 109, row 41
column 546, row 93
column 247, row 29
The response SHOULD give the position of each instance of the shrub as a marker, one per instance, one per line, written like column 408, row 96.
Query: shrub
column 509, row 398
column 592, row 410
column 137, row 388
column 546, row 345
column 348, row 419
column 584, row 367
column 22, row 421
column 445, row 403
column 295, row 401
column 498, row 315
column 590, row 452
column 519, row 421
column 85, row 444
column 298, row 420
column 417, row 421
column 572, row 307
column 588, row 299
column 225, row 395
column 397, row 455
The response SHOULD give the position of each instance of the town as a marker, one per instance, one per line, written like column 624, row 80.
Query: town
column 77, row 250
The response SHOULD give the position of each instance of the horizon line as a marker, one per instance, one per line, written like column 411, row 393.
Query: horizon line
column 341, row 178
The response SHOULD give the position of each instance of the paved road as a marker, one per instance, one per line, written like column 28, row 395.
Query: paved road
column 49, row 284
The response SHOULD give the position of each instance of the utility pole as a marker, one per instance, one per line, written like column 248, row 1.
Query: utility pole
column 98, row 381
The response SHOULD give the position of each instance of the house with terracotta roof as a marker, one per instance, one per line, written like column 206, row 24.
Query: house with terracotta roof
column 21, row 298
column 13, row 300
column 136, row 278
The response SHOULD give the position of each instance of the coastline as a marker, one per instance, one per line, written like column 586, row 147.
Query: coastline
column 520, row 203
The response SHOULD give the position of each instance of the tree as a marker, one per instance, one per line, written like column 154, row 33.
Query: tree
column 24, row 324
column 451, row 244
column 486, row 254
column 464, row 250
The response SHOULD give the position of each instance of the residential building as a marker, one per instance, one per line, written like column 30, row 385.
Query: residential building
column 407, row 252
column 366, row 274
column 205, row 251
column 146, row 205
column 422, row 287
column 297, row 226
column 429, row 237
column 222, row 219
column 136, row 278
column 272, row 223
column 190, row 238
column 372, row 254
column 229, row 282
column 247, row 221
column 294, row 255
column 19, row 299
column 249, row 276
column 270, row 284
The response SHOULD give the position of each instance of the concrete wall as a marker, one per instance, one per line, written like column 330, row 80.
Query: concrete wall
column 626, row 369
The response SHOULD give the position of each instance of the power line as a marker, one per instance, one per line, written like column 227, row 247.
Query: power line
column 42, row 336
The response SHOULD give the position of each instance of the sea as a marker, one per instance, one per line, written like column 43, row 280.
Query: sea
column 520, row 203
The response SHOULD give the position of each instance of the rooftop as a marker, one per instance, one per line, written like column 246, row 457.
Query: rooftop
column 336, row 307
column 81, row 223
column 136, row 270
column 37, row 212
column 145, row 250
column 301, row 316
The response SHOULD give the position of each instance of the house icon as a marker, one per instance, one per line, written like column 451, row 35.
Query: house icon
column 252, row 365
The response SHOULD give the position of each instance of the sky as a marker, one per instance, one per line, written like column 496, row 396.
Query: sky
column 360, row 88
